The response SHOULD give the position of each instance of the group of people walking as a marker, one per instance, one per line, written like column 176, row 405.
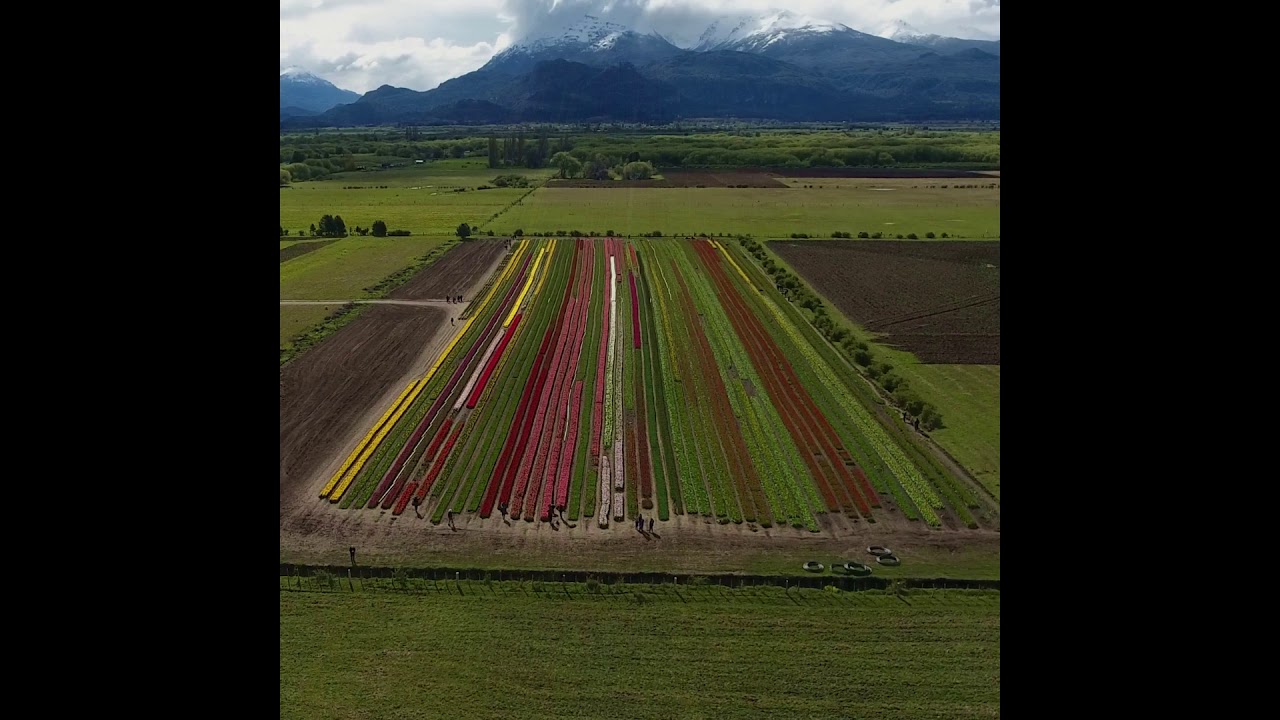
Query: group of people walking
column 640, row 523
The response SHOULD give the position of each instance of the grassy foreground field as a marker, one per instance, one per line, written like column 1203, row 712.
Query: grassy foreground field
column 343, row 270
column 524, row 651
column 846, row 205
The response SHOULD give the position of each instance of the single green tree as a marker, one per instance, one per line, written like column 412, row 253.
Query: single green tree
column 379, row 228
column 463, row 231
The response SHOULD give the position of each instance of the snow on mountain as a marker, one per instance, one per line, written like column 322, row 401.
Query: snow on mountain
column 587, row 40
column 724, row 30
column 899, row 30
column 295, row 74
column 588, row 30
column 759, row 32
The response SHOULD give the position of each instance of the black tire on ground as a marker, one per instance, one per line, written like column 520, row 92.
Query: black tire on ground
column 857, row 568
column 889, row 560
column 879, row 550
column 814, row 566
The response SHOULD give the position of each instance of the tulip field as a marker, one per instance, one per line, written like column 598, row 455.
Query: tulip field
column 606, row 378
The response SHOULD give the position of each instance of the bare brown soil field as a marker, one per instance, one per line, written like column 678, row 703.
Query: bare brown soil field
column 938, row 300
column 462, row 268
column 313, row 530
column 328, row 392
column 303, row 248
column 682, row 178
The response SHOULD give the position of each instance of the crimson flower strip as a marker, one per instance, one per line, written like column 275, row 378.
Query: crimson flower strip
column 499, row 486
column 493, row 361
column 404, row 498
column 519, row 472
column 439, row 463
column 833, row 451
column 411, row 445
column 765, row 371
column 553, row 421
column 785, row 387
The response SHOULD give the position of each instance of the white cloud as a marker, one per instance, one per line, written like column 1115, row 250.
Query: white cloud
column 362, row 44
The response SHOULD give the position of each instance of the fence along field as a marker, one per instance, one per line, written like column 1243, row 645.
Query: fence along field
column 605, row 379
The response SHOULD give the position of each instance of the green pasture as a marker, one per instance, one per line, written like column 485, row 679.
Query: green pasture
column 968, row 397
column 342, row 270
column 761, row 212
column 297, row 319
column 418, row 198
column 535, row 650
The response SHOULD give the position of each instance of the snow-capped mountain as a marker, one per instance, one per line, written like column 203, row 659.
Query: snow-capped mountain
column 754, row 34
column 901, row 31
column 304, row 90
column 588, row 40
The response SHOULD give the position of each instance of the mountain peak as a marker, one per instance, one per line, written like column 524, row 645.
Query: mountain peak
column 900, row 30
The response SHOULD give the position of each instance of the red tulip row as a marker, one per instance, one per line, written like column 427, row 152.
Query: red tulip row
column 431, row 453
column 499, row 489
column 562, row 407
column 493, row 361
column 411, row 445
column 439, row 463
column 635, row 305
column 533, row 467
column 562, row 487
column 806, row 423
column 523, row 426
column 404, row 498
column 543, row 472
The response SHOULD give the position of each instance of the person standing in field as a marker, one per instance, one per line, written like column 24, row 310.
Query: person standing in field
column 651, row 525
column 450, row 516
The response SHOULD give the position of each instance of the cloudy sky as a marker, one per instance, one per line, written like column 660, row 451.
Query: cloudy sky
column 363, row 44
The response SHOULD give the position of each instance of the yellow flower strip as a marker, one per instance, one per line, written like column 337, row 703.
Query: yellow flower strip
column 377, row 440
column 528, row 282
column 511, row 264
column 365, row 441
column 735, row 265
column 412, row 393
column 543, row 279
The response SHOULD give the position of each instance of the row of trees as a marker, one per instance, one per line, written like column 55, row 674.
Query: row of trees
column 335, row 226
column 602, row 167
column 880, row 372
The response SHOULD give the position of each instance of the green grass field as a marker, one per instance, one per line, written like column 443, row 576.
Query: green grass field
column 762, row 212
column 512, row 651
column 342, row 270
column 418, row 198
column 968, row 396
column 296, row 319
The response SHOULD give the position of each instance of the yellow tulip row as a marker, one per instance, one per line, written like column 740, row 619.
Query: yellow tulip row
column 735, row 264
column 365, row 441
column 511, row 265
column 377, row 439
column 547, row 265
column 528, row 281
column 355, row 462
